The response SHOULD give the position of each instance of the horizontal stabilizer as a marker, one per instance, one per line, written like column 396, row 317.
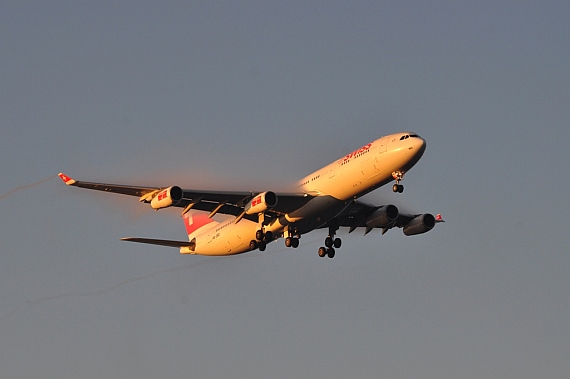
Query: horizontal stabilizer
column 159, row 242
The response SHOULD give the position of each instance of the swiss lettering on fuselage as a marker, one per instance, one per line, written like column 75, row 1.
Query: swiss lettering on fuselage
column 357, row 152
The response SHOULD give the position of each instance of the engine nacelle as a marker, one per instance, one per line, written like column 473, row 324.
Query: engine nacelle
column 383, row 216
column 421, row 224
column 261, row 203
column 167, row 197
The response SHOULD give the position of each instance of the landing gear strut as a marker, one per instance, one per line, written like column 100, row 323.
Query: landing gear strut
column 398, row 176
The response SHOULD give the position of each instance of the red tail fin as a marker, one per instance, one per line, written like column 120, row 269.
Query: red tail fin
column 197, row 222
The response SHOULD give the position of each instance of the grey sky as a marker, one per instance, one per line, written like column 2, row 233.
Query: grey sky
column 254, row 95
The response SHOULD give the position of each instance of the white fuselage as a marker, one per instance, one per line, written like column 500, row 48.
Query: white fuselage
column 333, row 187
column 365, row 169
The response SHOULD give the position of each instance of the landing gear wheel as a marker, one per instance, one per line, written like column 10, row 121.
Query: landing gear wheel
column 288, row 242
column 259, row 235
column 398, row 188
column 398, row 176
column 262, row 246
column 252, row 245
column 328, row 242
column 294, row 243
column 337, row 242
column 322, row 251
column 330, row 252
column 268, row 236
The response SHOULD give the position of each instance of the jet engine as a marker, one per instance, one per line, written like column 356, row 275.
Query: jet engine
column 261, row 203
column 420, row 224
column 167, row 197
column 383, row 216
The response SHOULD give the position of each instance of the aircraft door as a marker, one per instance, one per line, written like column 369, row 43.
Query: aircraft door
column 383, row 145
column 332, row 170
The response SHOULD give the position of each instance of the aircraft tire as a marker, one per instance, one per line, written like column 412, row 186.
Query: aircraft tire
column 268, row 236
column 288, row 242
column 337, row 243
column 322, row 251
column 294, row 243
column 262, row 246
column 259, row 235
column 330, row 252
column 252, row 245
column 328, row 242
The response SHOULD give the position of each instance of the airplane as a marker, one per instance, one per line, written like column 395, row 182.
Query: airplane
column 327, row 198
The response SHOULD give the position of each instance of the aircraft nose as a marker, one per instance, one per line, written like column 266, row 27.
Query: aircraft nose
column 421, row 144
column 417, row 143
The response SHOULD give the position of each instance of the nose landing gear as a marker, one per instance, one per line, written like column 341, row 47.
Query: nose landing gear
column 398, row 176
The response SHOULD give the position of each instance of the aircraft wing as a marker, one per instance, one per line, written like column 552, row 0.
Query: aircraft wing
column 224, row 202
column 357, row 214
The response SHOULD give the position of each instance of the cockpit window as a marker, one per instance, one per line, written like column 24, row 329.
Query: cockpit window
column 409, row 136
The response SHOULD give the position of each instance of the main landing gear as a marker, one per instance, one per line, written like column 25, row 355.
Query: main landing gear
column 398, row 176
column 292, row 242
column 331, row 243
column 292, row 238
column 261, row 240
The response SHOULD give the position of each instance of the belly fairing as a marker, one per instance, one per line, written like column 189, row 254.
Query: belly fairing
column 312, row 215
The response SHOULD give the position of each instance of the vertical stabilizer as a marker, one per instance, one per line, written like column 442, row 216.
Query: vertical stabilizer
column 197, row 222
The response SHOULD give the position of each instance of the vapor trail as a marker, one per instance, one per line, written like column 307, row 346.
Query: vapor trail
column 109, row 289
column 24, row 187
column 130, row 280
column 120, row 284
column 143, row 277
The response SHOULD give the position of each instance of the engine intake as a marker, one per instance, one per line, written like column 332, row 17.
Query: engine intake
column 421, row 224
column 167, row 197
column 383, row 216
column 261, row 203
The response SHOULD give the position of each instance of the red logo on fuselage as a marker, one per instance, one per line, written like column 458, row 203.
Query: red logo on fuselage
column 363, row 149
